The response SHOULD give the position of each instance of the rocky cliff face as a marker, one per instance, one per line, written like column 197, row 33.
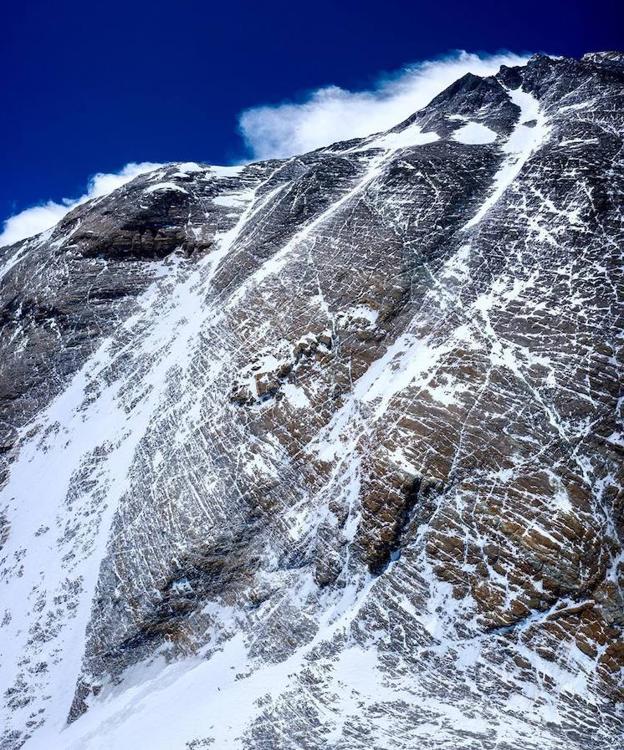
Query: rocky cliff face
column 327, row 452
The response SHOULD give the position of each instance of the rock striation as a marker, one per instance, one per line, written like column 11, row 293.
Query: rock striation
column 326, row 452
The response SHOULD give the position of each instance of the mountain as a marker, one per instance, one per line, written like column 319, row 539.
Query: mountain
column 326, row 452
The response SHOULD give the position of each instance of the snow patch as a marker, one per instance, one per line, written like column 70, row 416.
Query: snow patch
column 233, row 200
column 473, row 133
column 165, row 186
column 232, row 171
column 411, row 136
column 295, row 395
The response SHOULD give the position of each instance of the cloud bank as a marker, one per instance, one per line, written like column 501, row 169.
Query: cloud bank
column 39, row 218
column 334, row 114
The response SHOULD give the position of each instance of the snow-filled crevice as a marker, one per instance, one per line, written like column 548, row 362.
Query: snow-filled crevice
column 528, row 135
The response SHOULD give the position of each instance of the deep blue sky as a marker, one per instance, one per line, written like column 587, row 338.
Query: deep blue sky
column 89, row 86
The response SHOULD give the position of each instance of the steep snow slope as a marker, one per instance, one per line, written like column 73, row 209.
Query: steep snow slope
column 326, row 452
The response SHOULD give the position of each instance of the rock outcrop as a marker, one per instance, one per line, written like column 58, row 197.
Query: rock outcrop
column 326, row 452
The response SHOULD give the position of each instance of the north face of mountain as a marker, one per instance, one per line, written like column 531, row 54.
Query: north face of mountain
column 326, row 452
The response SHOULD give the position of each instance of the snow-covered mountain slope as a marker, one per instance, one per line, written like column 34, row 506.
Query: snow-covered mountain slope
column 327, row 452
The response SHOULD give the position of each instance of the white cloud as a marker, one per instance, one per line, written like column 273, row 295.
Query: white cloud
column 334, row 114
column 39, row 218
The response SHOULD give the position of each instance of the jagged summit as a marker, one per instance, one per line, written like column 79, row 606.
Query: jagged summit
column 326, row 452
column 604, row 58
